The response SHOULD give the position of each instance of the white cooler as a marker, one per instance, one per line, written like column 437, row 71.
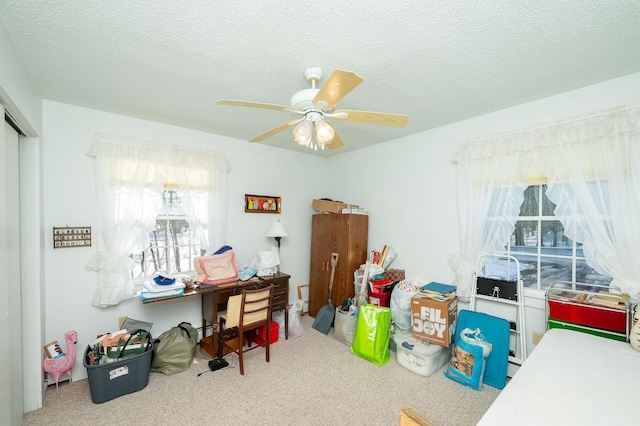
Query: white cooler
column 422, row 358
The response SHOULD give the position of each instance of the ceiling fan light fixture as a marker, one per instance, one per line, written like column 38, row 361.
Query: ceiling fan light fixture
column 302, row 133
column 317, row 105
column 324, row 132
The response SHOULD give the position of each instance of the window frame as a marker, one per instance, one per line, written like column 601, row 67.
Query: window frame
column 171, row 210
column 539, row 289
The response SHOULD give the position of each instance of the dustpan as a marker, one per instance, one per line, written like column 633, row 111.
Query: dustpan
column 325, row 316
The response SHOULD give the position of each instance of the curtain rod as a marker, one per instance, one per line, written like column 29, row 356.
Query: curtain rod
column 587, row 116
column 154, row 144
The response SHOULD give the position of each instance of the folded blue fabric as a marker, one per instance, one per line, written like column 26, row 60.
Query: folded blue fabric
column 160, row 280
column 247, row 272
column 223, row 249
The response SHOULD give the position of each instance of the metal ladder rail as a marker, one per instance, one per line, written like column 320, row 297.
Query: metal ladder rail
column 520, row 331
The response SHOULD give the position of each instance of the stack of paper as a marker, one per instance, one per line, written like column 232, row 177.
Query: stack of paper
column 152, row 290
column 438, row 291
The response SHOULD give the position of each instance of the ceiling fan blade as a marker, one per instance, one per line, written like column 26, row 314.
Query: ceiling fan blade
column 337, row 86
column 336, row 142
column 275, row 130
column 368, row 117
column 254, row 104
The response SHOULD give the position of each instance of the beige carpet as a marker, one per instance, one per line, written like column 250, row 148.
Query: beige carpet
column 312, row 380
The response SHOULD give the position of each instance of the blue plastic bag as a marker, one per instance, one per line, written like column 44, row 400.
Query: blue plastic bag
column 469, row 359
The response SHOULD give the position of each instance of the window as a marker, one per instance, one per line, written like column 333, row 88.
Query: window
column 172, row 245
column 590, row 164
column 545, row 254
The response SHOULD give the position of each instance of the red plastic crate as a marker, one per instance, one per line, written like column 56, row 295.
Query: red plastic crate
column 589, row 315
column 379, row 299
column 261, row 332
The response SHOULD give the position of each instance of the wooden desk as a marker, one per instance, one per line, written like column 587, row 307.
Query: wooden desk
column 214, row 300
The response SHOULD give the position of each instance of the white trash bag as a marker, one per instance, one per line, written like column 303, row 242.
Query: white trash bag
column 400, row 304
column 295, row 324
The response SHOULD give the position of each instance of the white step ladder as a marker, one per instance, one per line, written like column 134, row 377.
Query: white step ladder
column 498, row 290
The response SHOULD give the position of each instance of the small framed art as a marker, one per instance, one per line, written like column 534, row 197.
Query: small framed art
column 65, row 237
column 262, row 204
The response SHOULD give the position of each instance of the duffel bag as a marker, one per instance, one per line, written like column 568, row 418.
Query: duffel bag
column 174, row 349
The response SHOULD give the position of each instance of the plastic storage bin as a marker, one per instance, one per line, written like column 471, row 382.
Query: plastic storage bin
column 420, row 357
column 117, row 378
column 262, row 334
column 576, row 327
column 586, row 314
column 379, row 299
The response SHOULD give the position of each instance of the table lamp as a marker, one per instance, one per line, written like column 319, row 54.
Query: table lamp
column 277, row 231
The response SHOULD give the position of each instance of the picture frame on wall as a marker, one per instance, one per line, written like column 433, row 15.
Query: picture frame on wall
column 71, row 236
column 262, row 203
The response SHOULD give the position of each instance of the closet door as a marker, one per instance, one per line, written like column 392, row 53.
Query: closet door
column 10, row 302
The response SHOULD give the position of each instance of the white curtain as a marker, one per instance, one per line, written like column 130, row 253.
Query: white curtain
column 130, row 176
column 490, row 192
column 590, row 164
column 593, row 168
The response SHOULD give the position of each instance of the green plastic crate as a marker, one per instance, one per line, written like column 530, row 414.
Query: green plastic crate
column 595, row 332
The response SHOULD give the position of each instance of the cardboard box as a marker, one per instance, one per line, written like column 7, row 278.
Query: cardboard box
column 353, row 210
column 434, row 321
column 329, row 206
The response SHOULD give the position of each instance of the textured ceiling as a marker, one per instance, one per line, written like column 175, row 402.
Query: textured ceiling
column 436, row 61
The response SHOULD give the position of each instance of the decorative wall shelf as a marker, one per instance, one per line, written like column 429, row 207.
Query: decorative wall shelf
column 71, row 236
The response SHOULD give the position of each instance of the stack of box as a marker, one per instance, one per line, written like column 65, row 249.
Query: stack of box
column 433, row 314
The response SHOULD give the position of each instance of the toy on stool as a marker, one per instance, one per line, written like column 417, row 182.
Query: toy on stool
column 63, row 365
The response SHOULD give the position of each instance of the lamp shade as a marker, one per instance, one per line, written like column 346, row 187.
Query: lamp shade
column 277, row 230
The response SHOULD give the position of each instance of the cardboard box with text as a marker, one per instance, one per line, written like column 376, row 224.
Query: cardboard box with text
column 433, row 320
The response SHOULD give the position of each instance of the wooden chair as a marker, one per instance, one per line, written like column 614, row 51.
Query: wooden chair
column 246, row 312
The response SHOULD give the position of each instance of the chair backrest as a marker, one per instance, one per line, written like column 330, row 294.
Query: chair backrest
column 250, row 307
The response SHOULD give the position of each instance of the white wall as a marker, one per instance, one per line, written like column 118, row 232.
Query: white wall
column 69, row 200
column 409, row 185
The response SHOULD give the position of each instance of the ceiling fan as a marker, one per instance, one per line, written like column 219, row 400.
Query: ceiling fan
column 316, row 105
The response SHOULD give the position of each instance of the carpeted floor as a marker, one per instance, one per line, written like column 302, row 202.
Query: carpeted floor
column 312, row 380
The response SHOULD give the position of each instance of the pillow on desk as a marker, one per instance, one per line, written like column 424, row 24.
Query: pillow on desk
column 216, row 269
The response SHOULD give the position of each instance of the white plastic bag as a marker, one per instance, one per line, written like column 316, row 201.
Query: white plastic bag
column 401, row 304
column 266, row 261
column 344, row 327
column 295, row 324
